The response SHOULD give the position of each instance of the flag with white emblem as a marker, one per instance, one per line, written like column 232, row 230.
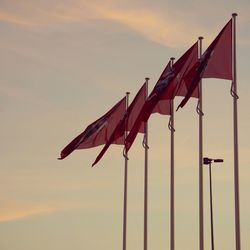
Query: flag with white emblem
column 98, row 132
column 165, row 89
column 216, row 62
column 128, row 120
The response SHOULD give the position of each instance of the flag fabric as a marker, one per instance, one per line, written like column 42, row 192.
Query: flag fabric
column 165, row 89
column 164, row 105
column 98, row 132
column 220, row 63
column 128, row 121
column 215, row 62
column 135, row 108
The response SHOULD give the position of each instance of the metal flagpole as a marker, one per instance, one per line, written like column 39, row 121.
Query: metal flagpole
column 211, row 206
column 125, row 183
column 145, row 145
column 200, row 112
column 171, row 127
column 236, row 154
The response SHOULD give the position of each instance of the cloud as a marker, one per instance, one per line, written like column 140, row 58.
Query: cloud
column 22, row 95
column 33, row 14
column 15, row 19
column 19, row 213
column 157, row 24
column 152, row 25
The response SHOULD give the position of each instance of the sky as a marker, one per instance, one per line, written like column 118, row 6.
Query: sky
column 66, row 63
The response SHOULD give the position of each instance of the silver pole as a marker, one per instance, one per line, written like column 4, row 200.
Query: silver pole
column 172, row 215
column 145, row 145
column 125, row 184
column 201, row 216
column 211, row 206
column 236, row 153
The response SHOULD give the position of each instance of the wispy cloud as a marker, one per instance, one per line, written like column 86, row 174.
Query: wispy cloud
column 15, row 19
column 31, row 14
column 154, row 24
column 164, row 30
column 21, row 95
column 20, row 213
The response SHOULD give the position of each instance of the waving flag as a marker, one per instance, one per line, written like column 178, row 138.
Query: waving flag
column 98, row 132
column 163, row 105
column 220, row 62
column 128, row 121
column 216, row 62
column 165, row 89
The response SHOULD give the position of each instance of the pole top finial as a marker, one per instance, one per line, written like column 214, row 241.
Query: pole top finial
column 172, row 58
column 147, row 78
column 127, row 93
column 234, row 14
column 200, row 37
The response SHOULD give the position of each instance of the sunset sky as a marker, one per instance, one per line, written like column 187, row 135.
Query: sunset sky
column 66, row 63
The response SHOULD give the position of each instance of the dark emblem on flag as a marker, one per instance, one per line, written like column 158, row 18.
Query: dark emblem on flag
column 164, row 82
column 93, row 128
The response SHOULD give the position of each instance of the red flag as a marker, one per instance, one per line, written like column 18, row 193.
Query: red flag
column 128, row 118
column 163, row 105
column 135, row 108
column 215, row 62
column 220, row 63
column 165, row 89
column 98, row 132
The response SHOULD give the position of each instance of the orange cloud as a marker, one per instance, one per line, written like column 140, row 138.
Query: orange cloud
column 152, row 25
column 22, row 213
column 33, row 15
column 15, row 19
column 169, row 29
column 22, row 95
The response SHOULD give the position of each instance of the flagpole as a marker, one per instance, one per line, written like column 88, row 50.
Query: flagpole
column 236, row 153
column 125, row 154
column 200, row 112
column 145, row 145
column 172, row 215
